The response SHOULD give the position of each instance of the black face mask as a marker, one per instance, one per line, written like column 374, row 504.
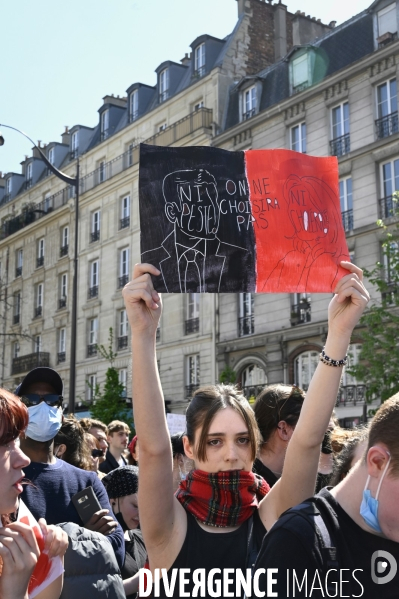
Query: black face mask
column 326, row 444
column 121, row 521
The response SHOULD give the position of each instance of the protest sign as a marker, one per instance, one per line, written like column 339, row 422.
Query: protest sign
column 176, row 423
column 260, row 220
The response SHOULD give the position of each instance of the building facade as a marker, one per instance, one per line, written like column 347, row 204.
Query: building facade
column 279, row 80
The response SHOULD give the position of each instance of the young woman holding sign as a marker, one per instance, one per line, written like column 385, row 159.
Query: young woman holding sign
column 222, row 510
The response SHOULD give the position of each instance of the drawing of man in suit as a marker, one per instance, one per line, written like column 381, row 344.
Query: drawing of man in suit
column 192, row 258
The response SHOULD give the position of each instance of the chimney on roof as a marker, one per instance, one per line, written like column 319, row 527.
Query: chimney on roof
column 186, row 60
column 280, row 31
column 66, row 137
column 332, row 24
column 240, row 7
column 305, row 29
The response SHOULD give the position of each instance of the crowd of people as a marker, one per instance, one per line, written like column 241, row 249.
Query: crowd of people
column 274, row 501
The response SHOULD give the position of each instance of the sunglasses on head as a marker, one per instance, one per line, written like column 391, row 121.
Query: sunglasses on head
column 33, row 399
column 97, row 453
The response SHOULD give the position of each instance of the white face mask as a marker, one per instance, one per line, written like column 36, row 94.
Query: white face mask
column 44, row 422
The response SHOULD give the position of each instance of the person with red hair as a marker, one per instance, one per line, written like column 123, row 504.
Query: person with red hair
column 19, row 549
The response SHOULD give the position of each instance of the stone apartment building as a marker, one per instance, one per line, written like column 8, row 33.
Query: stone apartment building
column 279, row 80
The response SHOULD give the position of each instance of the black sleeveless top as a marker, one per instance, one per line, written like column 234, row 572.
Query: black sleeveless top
column 208, row 550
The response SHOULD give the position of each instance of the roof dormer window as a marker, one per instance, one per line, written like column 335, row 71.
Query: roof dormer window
column 74, row 144
column 300, row 73
column 51, row 156
column 248, row 103
column 387, row 21
column 199, row 60
column 29, row 170
column 104, row 124
column 163, row 85
column 9, row 185
column 134, row 106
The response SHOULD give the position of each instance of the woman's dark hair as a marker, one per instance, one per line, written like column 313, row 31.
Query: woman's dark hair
column 346, row 441
column 276, row 403
column 13, row 421
column 177, row 444
column 71, row 434
column 205, row 404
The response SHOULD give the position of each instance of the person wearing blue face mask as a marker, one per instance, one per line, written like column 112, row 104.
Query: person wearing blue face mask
column 359, row 519
column 54, row 480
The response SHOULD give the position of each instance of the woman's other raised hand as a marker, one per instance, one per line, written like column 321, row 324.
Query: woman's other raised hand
column 143, row 303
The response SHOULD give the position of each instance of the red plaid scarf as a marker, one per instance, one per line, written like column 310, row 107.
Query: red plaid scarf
column 222, row 498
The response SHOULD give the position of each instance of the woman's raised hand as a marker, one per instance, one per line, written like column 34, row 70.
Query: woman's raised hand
column 350, row 299
column 19, row 553
column 143, row 303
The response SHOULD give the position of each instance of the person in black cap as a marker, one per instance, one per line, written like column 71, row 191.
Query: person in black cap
column 122, row 485
column 55, row 481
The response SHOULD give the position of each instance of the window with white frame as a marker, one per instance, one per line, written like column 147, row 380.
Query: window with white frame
column 20, row 258
column 192, row 372
column 105, row 124
column 162, row 127
column 17, row 306
column 298, row 138
column 62, row 341
column 15, row 349
column 123, row 380
column 65, row 237
column 353, row 352
column 91, row 387
column 123, row 267
column 193, row 305
column 93, row 329
column 248, row 103
column 300, row 72
column 387, row 20
column 125, row 208
column 390, row 177
column 102, row 172
column 246, row 324
column 164, row 85
column 40, row 251
column 304, row 367
column 95, row 226
column 251, row 377
column 75, row 144
column 345, row 196
column 134, row 105
column 340, row 120
column 51, row 153
column 387, row 101
column 199, row 60
column 94, row 273
column 47, row 202
column 123, row 323
column 37, row 343
column 39, row 295
column 9, row 186
column 29, row 171
column 64, row 286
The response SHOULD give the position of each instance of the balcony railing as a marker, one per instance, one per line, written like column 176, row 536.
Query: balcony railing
column 61, row 357
column 246, row 325
column 38, row 311
column 198, row 73
column 351, row 395
column 95, row 235
column 347, row 220
column 301, row 313
column 133, row 116
column 387, row 207
column 16, row 318
column 74, row 153
column 92, row 349
column 122, row 342
column 163, row 96
column 252, row 391
column 18, row 271
column 191, row 326
column 30, row 361
column 64, row 250
column 122, row 281
column 28, row 183
column 391, row 294
column 190, row 390
column 39, row 261
column 195, row 121
column 300, row 88
column 248, row 114
column 340, row 145
column 62, row 303
column 387, row 125
column 124, row 222
column 93, row 292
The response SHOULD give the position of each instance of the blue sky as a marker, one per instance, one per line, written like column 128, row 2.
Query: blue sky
column 58, row 60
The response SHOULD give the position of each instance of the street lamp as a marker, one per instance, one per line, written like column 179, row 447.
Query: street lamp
column 74, row 181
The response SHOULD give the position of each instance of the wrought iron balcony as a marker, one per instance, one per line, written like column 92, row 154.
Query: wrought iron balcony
column 18, row 271
column 39, row 261
column 93, row 292
column 133, row 116
column 124, row 222
column 387, row 125
column 61, row 357
column 198, row 73
column 92, row 349
column 252, row 391
column 300, row 88
column 351, row 395
column 122, row 281
column 30, row 361
column 122, row 342
column 191, row 326
column 246, row 325
column 387, row 207
column 163, row 96
column 64, row 250
column 347, row 220
column 62, row 303
column 74, row 154
column 38, row 311
column 28, row 183
column 95, row 235
column 190, row 390
column 248, row 114
column 301, row 313
column 16, row 318
column 340, row 145
column 105, row 134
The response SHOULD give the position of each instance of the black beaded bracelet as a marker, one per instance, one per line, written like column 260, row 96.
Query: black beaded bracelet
column 330, row 362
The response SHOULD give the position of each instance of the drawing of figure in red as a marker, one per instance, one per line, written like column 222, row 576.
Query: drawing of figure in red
column 313, row 227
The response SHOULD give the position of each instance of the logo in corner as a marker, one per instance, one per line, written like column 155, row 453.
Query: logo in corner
column 383, row 567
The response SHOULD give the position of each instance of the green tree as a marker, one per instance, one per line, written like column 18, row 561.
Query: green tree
column 228, row 375
column 378, row 365
column 109, row 403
